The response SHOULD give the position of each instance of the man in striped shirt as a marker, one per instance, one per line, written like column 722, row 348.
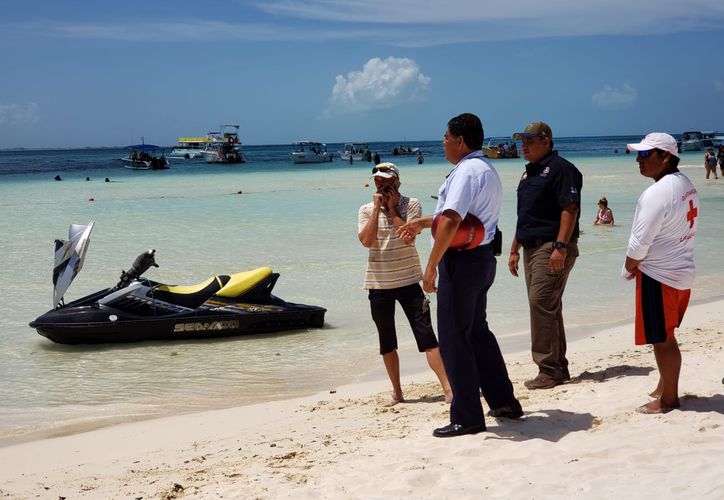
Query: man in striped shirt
column 394, row 274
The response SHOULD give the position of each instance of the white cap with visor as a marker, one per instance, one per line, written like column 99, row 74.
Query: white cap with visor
column 656, row 140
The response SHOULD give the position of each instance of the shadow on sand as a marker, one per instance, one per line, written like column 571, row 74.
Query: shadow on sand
column 612, row 372
column 703, row 404
column 426, row 399
column 550, row 425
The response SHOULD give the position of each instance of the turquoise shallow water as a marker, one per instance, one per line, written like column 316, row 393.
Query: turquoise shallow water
column 301, row 221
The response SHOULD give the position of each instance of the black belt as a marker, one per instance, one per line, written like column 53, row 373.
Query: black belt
column 528, row 244
column 479, row 248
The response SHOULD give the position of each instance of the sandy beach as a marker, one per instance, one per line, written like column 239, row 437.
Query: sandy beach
column 582, row 438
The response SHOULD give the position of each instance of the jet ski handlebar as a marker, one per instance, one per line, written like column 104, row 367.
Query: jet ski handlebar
column 142, row 264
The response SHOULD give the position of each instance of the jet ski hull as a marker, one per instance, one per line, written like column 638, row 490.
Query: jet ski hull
column 93, row 324
column 130, row 315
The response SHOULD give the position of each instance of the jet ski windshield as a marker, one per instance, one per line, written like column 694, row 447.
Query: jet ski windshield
column 69, row 257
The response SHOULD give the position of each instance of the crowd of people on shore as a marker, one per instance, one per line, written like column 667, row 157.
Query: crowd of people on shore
column 461, row 267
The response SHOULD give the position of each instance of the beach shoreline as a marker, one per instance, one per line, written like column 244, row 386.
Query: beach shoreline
column 344, row 443
column 413, row 365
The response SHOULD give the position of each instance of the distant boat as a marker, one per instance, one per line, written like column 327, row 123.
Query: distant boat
column 501, row 148
column 712, row 139
column 145, row 157
column 358, row 151
column 405, row 150
column 310, row 152
column 717, row 139
column 226, row 147
column 191, row 147
column 225, row 152
column 692, row 140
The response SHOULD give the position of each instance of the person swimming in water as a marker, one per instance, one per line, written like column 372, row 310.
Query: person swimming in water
column 604, row 216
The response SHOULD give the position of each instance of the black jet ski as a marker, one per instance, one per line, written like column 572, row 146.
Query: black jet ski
column 138, row 309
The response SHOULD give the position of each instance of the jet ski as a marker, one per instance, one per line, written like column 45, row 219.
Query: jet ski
column 138, row 309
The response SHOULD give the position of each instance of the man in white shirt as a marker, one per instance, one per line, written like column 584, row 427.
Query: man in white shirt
column 660, row 257
column 473, row 361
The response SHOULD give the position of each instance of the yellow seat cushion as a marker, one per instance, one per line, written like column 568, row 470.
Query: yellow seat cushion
column 242, row 282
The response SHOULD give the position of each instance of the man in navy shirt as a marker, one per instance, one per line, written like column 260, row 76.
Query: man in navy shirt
column 549, row 199
column 471, row 354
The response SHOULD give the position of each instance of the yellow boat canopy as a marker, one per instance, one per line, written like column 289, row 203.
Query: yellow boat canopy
column 196, row 139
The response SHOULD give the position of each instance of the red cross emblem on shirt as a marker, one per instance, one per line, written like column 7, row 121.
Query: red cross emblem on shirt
column 692, row 213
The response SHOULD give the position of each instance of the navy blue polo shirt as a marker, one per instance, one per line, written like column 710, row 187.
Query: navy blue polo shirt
column 544, row 189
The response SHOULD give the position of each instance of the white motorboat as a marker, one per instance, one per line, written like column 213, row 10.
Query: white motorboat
column 358, row 151
column 191, row 147
column 226, row 147
column 691, row 141
column 310, row 152
column 145, row 157
column 712, row 139
column 695, row 140
column 224, row 152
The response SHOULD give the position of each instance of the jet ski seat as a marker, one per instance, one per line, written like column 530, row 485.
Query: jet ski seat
column 191, row 296
column 241, row 283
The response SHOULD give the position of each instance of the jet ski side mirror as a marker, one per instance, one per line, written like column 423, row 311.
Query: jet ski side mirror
column 142, row 264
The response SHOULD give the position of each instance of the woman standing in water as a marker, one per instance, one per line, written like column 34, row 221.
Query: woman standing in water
column 604, row 216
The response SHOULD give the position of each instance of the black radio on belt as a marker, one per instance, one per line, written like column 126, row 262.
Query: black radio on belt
column 498, row 242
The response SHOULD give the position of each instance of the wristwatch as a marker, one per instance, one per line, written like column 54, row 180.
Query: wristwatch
column 559, row 245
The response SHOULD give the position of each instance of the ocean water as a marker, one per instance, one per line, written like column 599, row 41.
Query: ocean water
column 301, row 220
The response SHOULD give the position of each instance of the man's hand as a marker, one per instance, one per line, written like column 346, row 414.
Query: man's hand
column 378, row 200
column 513, row 262
column 558, row 259
column 412, row 227
column 392, row 199
column 409, row 230
column 429, row 279
column 629, row 268
column 407, row 238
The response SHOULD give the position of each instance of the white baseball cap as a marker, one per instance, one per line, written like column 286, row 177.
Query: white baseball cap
column 386, row 170
column 656, row 140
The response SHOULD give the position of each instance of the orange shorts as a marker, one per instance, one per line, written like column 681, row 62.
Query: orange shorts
column 659, row 309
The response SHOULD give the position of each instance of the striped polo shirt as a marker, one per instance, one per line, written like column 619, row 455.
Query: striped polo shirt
column 391, row 263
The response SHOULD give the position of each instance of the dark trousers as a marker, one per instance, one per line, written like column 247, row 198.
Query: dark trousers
column 412, row 300
column 545, row 297
column 471, row 354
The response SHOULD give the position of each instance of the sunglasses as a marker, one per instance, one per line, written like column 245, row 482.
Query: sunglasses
column 382, row 168
column 644, row 154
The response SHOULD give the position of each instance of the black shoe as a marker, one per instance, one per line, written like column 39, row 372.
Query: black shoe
column 511, row 412
column 453, row 430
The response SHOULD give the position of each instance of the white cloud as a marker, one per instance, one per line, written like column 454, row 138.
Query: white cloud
column 382, row 83
column 614, row 97
column 12, row 114
column 719, row 86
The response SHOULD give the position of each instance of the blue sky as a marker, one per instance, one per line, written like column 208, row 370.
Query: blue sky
column 89, row 73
